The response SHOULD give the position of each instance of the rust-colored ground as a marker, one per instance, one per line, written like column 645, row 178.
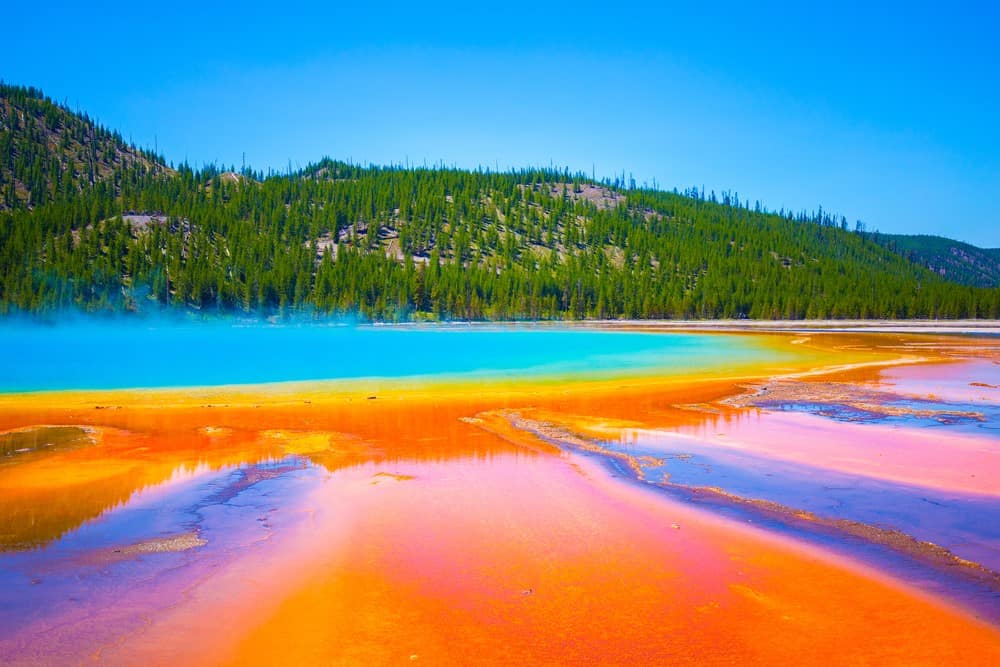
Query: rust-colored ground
column 433, row 538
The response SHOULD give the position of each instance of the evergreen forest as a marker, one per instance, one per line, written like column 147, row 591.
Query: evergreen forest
column 92, row 223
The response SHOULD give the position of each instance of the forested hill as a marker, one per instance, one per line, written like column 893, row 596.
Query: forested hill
column 954, row 260
column 392, row 243
column 49, row 152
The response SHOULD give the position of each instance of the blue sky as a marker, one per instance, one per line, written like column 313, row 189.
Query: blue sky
column 884, row 112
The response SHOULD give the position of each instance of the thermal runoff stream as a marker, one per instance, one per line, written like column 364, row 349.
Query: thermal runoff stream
column 247, row 493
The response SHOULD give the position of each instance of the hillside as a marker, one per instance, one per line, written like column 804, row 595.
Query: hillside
column 391, row 243
column 953, row 260
column 48, row 152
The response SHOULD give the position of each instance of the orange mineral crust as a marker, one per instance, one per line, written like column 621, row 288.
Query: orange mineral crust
column 416, row 527
column 539, row 562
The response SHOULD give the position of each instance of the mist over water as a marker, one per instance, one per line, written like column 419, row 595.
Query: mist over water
column 85, row 353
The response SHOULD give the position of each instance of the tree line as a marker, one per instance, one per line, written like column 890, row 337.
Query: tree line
column 399, row 243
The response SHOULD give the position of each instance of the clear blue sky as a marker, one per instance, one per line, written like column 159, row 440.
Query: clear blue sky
column 887, row 112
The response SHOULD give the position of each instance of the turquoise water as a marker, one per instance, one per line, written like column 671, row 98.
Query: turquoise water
column 119, row 355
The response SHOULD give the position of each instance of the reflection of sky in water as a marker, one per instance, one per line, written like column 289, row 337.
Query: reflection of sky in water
column 78, row 578
column 973, row 382
column 964, row 523
column 957, row 397
column 923, row 398
column 915, row 412
column 106, row 356
column 230, row 508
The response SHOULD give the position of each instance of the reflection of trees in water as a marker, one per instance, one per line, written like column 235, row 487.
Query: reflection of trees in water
column 18, row 444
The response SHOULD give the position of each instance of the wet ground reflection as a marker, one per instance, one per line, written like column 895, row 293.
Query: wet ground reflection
column 907, row 481
column 481, row 525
